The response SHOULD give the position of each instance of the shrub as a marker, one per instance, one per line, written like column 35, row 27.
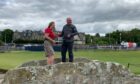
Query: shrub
column 1, row 43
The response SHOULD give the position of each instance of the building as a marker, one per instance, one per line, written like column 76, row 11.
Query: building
column 80, row 39
column 38, row 35
column 28, row 35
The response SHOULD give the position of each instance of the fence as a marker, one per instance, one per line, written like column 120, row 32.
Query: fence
column 4, row 49
column 136, row 65
column 57, row 47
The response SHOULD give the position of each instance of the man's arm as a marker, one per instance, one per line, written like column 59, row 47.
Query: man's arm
column 75, row 32
column 62, row 33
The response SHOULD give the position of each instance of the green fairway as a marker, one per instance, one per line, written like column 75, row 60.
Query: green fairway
column 12, row 59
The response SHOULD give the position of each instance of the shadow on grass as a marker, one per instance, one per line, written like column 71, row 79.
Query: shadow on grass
column 3, row 71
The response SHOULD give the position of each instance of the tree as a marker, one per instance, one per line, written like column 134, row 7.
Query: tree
column 97, row 35
column 88, row 39
column 1, row 43
column 7, row 35
column 0, row 36
column 135, row 35
column 128, row 36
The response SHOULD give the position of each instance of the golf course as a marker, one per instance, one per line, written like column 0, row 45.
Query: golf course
column 12, row 59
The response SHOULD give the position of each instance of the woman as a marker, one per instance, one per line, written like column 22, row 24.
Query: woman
column 49, row 42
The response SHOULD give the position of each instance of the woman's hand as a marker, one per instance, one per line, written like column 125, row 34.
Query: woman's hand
column 53, row 42
column 59, row 34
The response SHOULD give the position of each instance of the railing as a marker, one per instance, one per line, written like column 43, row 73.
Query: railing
column 136, row 65
column 2, row 49
column 5, row 48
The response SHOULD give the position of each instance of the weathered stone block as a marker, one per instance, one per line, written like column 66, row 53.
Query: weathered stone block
column 82, row 71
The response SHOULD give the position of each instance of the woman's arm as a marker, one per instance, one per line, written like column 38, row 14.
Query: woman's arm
column 59, row 34
column 48, row 38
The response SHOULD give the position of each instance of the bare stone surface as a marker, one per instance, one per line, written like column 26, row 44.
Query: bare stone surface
column 1, row 81
column 57, row 60
column 1, row 77
column 82, row 71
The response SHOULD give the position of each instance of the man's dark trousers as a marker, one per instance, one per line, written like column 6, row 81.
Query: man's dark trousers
column 67, row 46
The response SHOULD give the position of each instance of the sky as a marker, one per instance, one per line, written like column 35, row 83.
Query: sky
column 89, row 16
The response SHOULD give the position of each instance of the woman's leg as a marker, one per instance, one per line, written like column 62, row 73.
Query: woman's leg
column 52, row 59
column 48, row 60
column 49, row 52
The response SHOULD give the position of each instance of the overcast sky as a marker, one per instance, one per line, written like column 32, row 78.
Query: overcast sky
column 90, row 16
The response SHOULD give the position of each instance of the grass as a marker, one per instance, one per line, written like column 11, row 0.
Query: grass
column 12, row 59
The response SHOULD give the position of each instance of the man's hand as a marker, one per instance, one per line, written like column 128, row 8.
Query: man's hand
column 68, row 35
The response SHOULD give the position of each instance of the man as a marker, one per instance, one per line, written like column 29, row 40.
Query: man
column 68, row 33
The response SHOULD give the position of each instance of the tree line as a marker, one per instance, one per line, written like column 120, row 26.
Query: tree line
column 113, row 38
